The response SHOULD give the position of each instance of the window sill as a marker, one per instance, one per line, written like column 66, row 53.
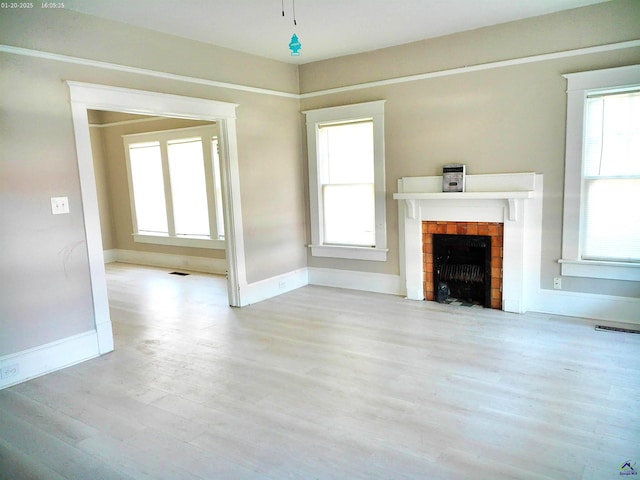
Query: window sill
column 354, row 253
column 600, row 269
column 180, row 241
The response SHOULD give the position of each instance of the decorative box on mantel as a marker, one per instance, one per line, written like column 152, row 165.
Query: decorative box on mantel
column 512, row 199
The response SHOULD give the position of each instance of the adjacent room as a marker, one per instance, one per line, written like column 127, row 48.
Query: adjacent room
column 296, row 239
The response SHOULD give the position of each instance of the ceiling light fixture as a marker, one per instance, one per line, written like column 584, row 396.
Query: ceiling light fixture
column 294, row 44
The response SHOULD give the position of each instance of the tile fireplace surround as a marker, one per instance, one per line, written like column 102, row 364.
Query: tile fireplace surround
column 513, row 200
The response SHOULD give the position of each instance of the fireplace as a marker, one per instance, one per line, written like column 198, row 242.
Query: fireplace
column 505, row 207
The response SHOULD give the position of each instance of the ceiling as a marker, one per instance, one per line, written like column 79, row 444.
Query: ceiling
column 326, row 28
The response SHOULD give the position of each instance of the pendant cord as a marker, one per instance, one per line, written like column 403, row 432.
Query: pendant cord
column 294, row 12
column 293, row 8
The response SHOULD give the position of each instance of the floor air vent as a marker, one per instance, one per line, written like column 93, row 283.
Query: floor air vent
column 180, row 274
column 616, row 329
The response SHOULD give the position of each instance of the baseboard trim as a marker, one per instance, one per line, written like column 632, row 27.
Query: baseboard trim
column 272, row 287
column 167, row 260
column 35, row 362
column 327, row 277
column 573, row 304
column 110, row 256
column 356, row 280
column 587, row 305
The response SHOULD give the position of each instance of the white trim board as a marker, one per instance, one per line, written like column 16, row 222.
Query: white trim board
column 217, row 266
column 111, row 255
column 585, row 305
column 34, row 362
column 264, row 91
column 271, row 287
column 140, row 71
column 326, row 277
column 125, row 122
column 479, row 67
column 356, row 280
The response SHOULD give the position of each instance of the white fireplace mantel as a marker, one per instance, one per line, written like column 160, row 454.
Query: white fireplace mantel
column 511, row 197
column 514, row 199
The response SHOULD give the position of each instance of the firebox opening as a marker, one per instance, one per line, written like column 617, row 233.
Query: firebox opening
column 462, row 268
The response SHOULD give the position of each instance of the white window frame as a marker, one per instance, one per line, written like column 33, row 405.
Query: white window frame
column 347, row 113
column 579, row 86
column 207, row 133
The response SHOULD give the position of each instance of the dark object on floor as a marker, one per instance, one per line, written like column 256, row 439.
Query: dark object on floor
column 181, row 274
column 443, row 292
column 616, row 329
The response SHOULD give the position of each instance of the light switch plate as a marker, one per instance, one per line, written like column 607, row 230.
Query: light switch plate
column 59, row 205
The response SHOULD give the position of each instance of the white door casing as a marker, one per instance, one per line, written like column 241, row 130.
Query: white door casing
column 86, row 96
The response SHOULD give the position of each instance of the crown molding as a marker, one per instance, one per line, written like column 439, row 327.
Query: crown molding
column 141, row 71
column 476, row 68
column 360, row 86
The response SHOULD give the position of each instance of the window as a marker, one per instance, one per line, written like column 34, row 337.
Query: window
column 601, row 237
column 611, row 176
column 174, row 179
column 346, row 178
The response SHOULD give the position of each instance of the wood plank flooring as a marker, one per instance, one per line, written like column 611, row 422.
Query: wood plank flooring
column 326, row 383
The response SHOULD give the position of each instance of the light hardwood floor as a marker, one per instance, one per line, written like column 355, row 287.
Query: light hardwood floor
column 326, row 383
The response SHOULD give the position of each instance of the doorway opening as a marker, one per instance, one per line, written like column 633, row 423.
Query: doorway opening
column 86, row 97
column 159, row 191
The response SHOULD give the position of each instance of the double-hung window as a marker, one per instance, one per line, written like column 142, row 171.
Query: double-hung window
column 174, row 185
column 346, row 178
column 601, row 237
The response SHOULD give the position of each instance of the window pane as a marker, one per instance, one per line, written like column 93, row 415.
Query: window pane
column 349, row 214
column 346, row 153
column 347, row 178
column 188, row 187
column 612, row 135
column 612, row 220
column 148, row 187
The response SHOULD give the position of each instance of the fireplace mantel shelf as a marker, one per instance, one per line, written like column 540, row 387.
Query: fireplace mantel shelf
column 510, row 197
column 463, row 195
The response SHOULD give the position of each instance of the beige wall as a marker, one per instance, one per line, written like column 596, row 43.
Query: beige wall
column 45, row 294
column 45, row 291
column 507, row 119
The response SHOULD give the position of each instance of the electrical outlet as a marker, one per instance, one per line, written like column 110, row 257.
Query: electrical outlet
column 9, row 371
column 282, row 284
column 59, row 205
column 557, row 283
